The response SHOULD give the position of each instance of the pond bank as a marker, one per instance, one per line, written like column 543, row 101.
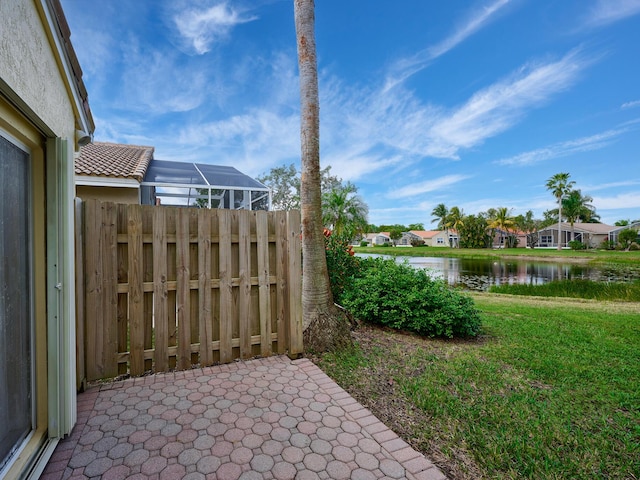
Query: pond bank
column 524, row 254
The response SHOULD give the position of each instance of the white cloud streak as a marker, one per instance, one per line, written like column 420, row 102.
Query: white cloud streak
column 563, row 149
column 496, row 108
column 201, row 28
column 634, row 104
column 605, row 12
column 420, row 188
column 407, row 67
column 604, row 186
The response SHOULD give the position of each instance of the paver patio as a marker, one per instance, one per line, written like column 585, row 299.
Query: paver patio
column 270, row 418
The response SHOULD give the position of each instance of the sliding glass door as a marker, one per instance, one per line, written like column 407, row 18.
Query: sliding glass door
column 16, row 367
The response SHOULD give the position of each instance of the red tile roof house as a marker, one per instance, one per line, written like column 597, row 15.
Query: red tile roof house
column 130, row 174
column 112, row 172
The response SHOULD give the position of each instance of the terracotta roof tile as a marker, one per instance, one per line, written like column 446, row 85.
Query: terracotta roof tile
column 101, row 159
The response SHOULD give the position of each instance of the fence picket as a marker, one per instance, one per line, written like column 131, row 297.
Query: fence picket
column 262, row 233
column 183, row 297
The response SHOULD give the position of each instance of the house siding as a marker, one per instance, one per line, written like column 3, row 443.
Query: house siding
column 109, row 194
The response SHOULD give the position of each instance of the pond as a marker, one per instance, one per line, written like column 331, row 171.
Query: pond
column 480, row 274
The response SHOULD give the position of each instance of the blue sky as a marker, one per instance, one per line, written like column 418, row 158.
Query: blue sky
column 467, row 103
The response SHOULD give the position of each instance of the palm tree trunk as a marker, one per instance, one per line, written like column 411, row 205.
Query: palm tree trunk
column 559, row 222
column 324, row 327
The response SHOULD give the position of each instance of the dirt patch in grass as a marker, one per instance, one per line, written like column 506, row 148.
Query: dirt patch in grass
column 375, row 388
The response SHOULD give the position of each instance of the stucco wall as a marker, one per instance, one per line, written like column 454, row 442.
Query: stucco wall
column 29, row 67
column 108, row 194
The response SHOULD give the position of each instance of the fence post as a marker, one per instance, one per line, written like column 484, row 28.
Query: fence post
column 204, row 286
column 81, row 375
column 136, row 305
column 295, row 284
column 160, row 291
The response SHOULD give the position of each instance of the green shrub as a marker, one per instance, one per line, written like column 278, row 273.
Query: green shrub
column 342, row 265
column 402, row 297
column 577, row 245
column 364, row 243
column 384, row 245
column 634, row 246
column 626, row 237
column 608, row 245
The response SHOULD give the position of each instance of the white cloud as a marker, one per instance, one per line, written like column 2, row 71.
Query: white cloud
column 605, row 12
column 497, row 107
column 406, row 67
column 435, row 184
column 257, row 140
column 623, row 200
column 604, row 186
column 635, row 103
column 200, row 28
column 563, row 149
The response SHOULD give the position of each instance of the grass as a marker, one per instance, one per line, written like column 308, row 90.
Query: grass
column 550, row 390
column 590, row 256
column 612, row 291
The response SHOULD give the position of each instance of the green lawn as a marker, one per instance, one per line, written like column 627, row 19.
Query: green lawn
column 596, row 256
column 550, row 390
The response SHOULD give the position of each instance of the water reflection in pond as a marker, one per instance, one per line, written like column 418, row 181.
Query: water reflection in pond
column 480, row 274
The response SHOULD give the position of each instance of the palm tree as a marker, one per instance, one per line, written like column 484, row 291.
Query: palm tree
column 559, row 185
column 502, row 220
column 440, row 213
column 323, row 327
column 343, row 211
column 454, row 220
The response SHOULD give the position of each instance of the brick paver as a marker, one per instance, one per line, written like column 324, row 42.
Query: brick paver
column 261, row 419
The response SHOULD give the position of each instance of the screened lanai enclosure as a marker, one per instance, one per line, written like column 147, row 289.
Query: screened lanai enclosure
column 202, row 185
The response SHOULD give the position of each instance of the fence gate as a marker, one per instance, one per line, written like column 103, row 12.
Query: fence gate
column 164, row 288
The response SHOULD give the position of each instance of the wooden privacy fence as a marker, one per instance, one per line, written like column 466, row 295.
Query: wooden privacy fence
column 168, row 287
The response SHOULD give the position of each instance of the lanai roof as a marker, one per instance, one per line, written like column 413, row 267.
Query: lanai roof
column 198, row 175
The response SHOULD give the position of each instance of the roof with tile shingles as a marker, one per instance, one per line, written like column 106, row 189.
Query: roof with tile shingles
column 102, row 159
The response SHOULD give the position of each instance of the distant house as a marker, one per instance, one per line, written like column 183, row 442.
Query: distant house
column 431, row 238
column 111, row 172
column 44, row 118
column 501, row 237
column 591, row 234
column 377, row 239
column 613, row 234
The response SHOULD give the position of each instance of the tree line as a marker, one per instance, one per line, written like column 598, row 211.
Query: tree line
column 345, row 212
